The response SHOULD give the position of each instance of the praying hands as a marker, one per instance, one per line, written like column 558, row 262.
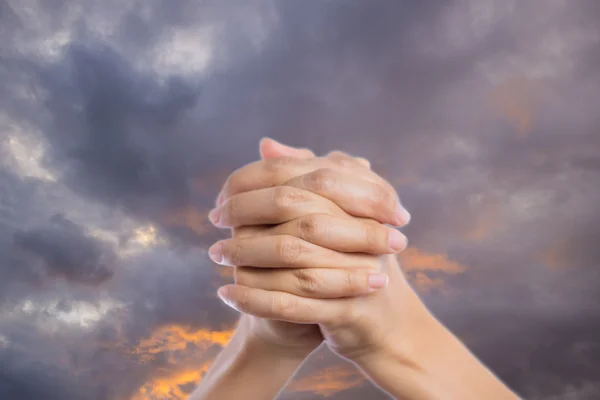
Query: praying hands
column 314, row 261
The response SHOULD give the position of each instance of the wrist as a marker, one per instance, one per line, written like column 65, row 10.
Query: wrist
column 404, row 344
column 402, row 365
column 256, row 339
column 247, row 368
column 426, row 361
column 404, row 327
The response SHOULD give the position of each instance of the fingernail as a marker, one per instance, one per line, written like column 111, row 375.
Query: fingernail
column 220, row 199
column 402, row 216
column 215, row 216
column 396, row 240
column 378, row 281
column 223, row 292
column 215, row 252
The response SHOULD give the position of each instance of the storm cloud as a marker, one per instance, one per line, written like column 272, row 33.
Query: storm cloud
column 119, row 121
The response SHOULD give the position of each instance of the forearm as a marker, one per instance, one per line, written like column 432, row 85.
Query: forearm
column 246, row 369
column 431, row 363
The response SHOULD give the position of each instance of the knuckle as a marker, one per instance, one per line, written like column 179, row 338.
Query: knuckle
column 381, row 196
column 307, row 281
column 321, row 180
column 285, row 197
column 283, row 305
column 342, row 159
column 280, row 198
column 279, row 169
column 243, row 301
column 231, row 209
column 351, row 283
column 235, row 252
column 275, row 165
column 371, row 235
column 288, row 249
column 312, row 227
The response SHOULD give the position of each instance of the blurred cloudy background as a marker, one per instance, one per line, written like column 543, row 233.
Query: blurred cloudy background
column 119, row 121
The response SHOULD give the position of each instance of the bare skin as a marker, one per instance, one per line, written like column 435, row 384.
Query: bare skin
column 316, row 279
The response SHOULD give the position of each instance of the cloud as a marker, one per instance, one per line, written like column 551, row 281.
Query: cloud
column 185, row 351
column 23, row 379
column 419, row 265
column 175, row 338
column 67, row 251
column 516, row 99
column 538, row 347
column 177, row 386
column 415, row 260
column 587, row 391
column 124, row 119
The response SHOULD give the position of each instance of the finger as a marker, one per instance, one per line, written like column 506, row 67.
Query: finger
column 348, row 235
column 273, row 172
column 271, row 206
column 270, row 148
column 282, row 306
column 250, row 231
column 325, row 191
column 345, row 158
column 357, row 196
column 349, row 161
column 276, row 171
column 330, row 283
column 284, row 252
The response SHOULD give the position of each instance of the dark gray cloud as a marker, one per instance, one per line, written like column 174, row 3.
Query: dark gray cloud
column 125, row 118
column 532, row 351
column 121, row 146
column 66, row 251
column 35, row 380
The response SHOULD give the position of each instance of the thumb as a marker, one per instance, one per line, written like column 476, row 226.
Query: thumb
column 270, row 148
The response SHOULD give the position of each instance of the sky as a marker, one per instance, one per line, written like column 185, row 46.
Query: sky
column 120, row 120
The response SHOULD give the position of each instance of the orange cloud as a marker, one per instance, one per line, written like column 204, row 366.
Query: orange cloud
column 488, row 220
column 176, row 386
column 328, row 381
column 516, row 99
column 416, row 263
column 555, row 256
column 173, row 338
column 415, row 260
column 182, row 347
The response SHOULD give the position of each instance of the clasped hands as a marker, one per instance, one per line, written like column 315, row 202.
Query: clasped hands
column 313, row 259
